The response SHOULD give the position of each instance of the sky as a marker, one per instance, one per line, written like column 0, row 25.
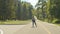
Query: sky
column 33, row 2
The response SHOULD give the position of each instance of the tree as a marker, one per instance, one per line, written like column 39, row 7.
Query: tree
column 42, row 6
column 14, row 9
column 18, row 12
column 7, row 9
column 24, row 11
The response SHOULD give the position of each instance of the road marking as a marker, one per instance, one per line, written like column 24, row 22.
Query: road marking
column 46, row 29
column 1, row 31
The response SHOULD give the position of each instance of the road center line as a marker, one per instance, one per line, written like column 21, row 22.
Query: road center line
column 46, row 29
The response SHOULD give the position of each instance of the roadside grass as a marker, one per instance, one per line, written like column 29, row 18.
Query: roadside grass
column 53, row 22
column 58, row 24
column 13, row 22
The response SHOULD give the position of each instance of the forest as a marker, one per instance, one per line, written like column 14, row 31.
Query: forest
column 48, row 10
column 15, row 10
column 45, row 10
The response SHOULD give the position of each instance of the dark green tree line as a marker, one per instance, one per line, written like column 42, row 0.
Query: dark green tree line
column 52, row 9
column 15, row 10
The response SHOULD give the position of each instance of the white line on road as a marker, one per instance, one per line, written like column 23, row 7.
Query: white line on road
column 1, row 31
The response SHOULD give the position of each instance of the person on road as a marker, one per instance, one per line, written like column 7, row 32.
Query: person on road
column 33, row 22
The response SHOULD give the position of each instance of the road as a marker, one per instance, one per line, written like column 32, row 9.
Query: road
column 42, row 28
column 10, row 29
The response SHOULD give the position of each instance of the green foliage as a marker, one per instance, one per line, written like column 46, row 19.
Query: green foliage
column 51, row 11
column 7, row 10
column 41, row 8
column 25, row 11
column 55, row 9
column 14, row 9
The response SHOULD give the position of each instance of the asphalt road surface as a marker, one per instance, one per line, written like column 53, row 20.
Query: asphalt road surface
column 42, row 28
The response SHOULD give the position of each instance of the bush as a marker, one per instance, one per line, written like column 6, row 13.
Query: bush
column 57, row 22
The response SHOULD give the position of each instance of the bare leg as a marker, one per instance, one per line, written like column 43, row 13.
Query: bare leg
column 32, row 24
column 35, row 24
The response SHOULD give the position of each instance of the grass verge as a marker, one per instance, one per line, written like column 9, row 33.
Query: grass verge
column 13, row 22
column 58, row 24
